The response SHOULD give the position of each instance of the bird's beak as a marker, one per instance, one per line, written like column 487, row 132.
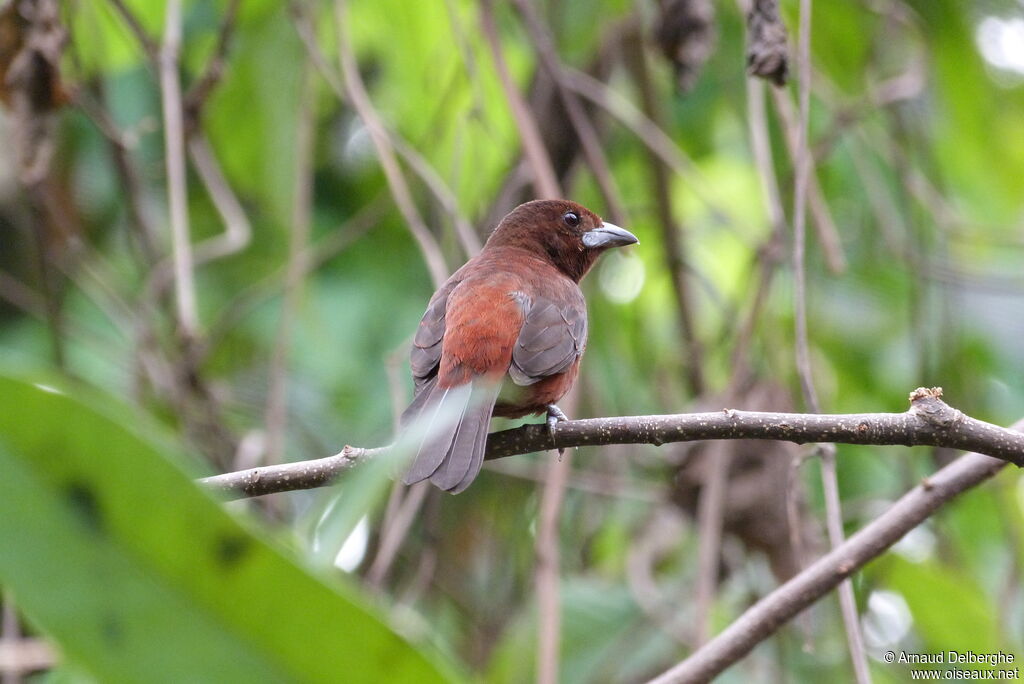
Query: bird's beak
column 608, row 235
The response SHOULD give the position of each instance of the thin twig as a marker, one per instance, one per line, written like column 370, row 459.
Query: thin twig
column 651, row 135
column 182, row 382
column 545, row 181
column 420, row 166
column 711, row 505
column 135, row 27
column 127, row 169
column 547, row 568
column 428, row 554
column 547, row 551
column 710, row 519
column 770, row 255
column 760, row 144
column 830, row 483
column 320, row 253
column 174, row 143
column 446, row 198
column 237, row 229
column 676, row 251
column 802, row 164
column 360, row 100
column 21, row 295
column 929, row 421
column 394, row 533
column 404, row 502
column 202, row 87
column 276, row 413
column 547, row 546
column 307, row 34
column 466, row 54
column 836, row 536
column 828, row 233
column 160, row 272
column 586, row 133
column 48, row 260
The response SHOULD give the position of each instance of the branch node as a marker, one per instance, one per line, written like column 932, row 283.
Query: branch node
column 926, row 404
column 925, row 392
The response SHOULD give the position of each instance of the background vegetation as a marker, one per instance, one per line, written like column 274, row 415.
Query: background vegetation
column 312, row 261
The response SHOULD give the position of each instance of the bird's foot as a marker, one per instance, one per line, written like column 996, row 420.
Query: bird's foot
column 555, row 416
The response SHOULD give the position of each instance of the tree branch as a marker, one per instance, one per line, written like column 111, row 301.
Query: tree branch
column 928, row 422
column 771, row 612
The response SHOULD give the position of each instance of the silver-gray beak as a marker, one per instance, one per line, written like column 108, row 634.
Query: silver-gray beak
column 608, row 235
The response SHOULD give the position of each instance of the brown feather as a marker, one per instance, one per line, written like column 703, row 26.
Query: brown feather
column 503, row 336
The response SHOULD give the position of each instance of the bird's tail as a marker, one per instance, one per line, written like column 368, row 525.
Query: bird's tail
column 454, row 421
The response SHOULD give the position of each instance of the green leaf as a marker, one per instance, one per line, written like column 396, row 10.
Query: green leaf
column 928, row 589
column 139, row 575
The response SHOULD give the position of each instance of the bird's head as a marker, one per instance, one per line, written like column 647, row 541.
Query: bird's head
column 566, row 233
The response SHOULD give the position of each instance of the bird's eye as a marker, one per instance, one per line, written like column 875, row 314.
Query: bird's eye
column 571, row 219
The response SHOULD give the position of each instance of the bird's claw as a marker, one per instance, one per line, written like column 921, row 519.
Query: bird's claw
column 555, row 416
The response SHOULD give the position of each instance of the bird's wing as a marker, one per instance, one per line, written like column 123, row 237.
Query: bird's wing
column 426, row 345
column 553, row 336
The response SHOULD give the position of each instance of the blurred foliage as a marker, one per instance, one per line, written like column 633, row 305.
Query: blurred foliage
column 916, row 126
column 115, row 553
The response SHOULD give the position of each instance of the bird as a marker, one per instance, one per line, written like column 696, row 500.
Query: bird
column 503, row 336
